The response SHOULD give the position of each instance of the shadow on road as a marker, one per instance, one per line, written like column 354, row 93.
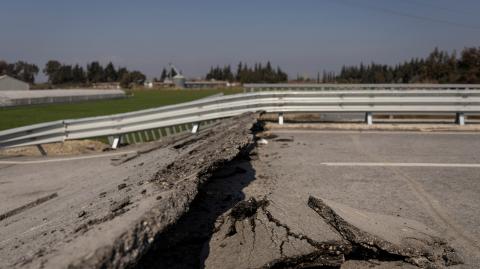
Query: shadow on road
column 185, row 244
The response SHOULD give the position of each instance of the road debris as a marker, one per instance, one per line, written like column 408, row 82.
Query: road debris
column 262, row 141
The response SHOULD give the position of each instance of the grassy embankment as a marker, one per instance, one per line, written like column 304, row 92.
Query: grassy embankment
column 141, row 99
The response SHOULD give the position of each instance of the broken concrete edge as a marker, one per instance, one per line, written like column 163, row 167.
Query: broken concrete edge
column 330, row 253
column 355, row 244
column 375, row 127
column 178, row 141
column 327, row 259
column 130, row 246
column 377, row 247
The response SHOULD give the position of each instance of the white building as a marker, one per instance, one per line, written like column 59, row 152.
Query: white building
column 8, row 83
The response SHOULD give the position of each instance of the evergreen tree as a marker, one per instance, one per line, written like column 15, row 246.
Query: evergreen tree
column 51, row 70
column 121, row 72
column 95, row 72
column 469, row 66
column 239, row 71
column 110, row 74
column 131, row 79
column 244, row 74
column 78, row 74
column 65, row 74
column 438, row 67
column 164, row 75
column 20, row 70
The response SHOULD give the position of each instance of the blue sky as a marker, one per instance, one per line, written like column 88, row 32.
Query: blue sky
column 302, row 36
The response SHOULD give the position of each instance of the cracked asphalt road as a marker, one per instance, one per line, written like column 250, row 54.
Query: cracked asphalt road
column 304, row 199
column 292, row 166
column 383, row 216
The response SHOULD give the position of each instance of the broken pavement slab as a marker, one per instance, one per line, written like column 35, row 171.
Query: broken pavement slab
column 390, row 237
column 251, row 236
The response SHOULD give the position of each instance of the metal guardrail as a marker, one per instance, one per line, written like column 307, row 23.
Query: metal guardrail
column 327, row 87
column 366, row 101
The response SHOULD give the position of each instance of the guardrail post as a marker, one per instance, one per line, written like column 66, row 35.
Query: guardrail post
column 42, row 150
column 369, row 118
column 195, row 128
column 280, row 118
column 460, row 118
column 115, row 141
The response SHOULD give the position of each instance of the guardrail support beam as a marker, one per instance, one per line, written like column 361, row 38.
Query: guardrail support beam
column 369, row 118
column 460, row 119
column 115, row 141
column 195, row 128
column 42, row 150
column 280, row 118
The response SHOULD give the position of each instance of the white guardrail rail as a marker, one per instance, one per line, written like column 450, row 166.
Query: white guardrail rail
column 329, row 87
column 435, row 100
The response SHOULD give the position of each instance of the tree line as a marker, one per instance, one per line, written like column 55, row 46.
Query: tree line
column 166, row 74
column 258, row 73
column 20, row 70
column 438, row 67
column 95, row 72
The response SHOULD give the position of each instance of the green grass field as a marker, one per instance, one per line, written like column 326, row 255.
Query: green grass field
column 141, row 99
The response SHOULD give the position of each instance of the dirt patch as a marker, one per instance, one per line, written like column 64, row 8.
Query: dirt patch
column 75, row 147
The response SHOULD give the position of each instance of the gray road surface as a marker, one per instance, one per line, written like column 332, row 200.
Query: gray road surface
column 433, row 178
column 254, row 212
column 257, row 213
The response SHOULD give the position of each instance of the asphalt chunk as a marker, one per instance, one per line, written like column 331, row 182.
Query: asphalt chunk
column 122, row 186
column 120, row 204
column 385, row 237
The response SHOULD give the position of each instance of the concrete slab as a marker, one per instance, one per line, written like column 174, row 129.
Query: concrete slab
column 387, row 237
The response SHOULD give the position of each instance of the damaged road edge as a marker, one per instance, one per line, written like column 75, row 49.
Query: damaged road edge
column 364, row 236
column 428, row 252
column 184, row 177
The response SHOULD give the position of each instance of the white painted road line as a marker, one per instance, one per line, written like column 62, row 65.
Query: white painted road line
column 69, row 159
column 450, row 165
